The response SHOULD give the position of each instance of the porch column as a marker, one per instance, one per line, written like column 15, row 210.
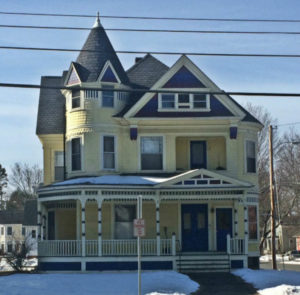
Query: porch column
column 78, row 223
column 246, row 227
column 99, row 201
column 83, row 201
column 157, row 228
column 236, row 218
column 39, row 219
column 44, row 222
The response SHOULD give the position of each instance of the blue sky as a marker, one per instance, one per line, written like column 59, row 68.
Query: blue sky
column 18, row 110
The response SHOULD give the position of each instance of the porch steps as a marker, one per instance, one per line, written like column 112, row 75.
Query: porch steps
column 202, row 263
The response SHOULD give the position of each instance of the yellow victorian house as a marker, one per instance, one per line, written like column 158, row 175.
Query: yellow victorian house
column 110, row 136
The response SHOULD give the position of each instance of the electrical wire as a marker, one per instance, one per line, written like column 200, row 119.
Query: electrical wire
column 146, row 90
column 152, row 17
column 154, row 52
column 154, row 30
column 287, row 124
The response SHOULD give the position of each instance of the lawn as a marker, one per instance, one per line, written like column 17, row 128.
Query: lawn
column 125, row 283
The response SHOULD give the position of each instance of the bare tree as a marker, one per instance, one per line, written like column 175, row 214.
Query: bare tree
column 25, row 179
column 3, row 185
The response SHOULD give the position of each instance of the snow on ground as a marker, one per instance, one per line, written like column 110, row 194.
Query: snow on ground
column 272, row 282
column 30, row 264
column 268, row 258
column 123, row 283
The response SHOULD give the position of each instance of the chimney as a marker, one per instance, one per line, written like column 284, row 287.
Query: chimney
column 137, row 59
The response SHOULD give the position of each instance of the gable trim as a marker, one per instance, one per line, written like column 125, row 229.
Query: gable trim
column 105, row 67
column 210, row 85
column 71, row 69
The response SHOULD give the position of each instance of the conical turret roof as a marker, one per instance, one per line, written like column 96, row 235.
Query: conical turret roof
column 91, row 63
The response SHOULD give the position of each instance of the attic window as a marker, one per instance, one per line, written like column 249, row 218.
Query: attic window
column 183, row 102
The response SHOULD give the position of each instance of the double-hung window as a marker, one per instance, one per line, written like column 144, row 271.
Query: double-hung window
column 33, row 233
column 109, row 150
column 23, row 231
column 124, row 216
column 199, row 101
column 151, row 153
column 108, row 96
column 252, row 222
column 59, row 166
column 250, row 157
column 76, row 154
column 75, row 99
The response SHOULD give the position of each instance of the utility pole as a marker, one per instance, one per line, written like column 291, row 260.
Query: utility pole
column 272, row 198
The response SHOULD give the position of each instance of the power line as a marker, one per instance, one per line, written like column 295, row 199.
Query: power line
column 146, row 90
column 153, row 17
column 287, row 124
column 154, row 30
column 154, row 52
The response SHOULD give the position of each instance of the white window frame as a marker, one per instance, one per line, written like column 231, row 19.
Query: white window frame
column 102, row 151
column 190, row 104
column 80, row 101
column 163, row 152
column 245, row 155
column 54, row 162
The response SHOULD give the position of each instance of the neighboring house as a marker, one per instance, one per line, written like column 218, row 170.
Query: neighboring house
column 287, row 238
column 192, row 158
column 17, row 226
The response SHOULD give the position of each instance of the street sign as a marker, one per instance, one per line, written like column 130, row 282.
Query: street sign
column 139, row 227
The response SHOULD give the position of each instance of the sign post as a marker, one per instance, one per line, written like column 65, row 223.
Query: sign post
column 139, row 231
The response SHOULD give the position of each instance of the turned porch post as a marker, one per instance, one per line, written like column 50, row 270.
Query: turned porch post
column 246, row 227
column 83, row 202
column 39, row 219
column 99, row 201
column 157, row 228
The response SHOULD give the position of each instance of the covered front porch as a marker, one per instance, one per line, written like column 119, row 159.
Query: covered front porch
column 89, row 223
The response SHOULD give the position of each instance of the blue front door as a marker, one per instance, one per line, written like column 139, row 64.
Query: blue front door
column 198, row 154
column 194, row 227
column 224, row 227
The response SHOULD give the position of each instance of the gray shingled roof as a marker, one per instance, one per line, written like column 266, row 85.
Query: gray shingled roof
column 30, row 213
column 92, row 63
column 50, row 118
column 11, row 217
column 146, row 71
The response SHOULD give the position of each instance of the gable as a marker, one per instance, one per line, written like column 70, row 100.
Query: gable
column 73, row 78
column 183, row 79
column 109, row 76
column 217, row 109
column 202, row 178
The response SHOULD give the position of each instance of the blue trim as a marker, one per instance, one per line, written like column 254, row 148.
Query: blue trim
column 62, row 266
column 109, row 76
column 133, row 133
column 129, row 265
column 237, row 264
column 233, row 132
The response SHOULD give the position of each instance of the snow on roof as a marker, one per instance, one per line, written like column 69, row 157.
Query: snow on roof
column 114, row 179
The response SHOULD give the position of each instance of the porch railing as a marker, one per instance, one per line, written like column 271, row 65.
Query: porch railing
column 237, row 245
column 109, row 247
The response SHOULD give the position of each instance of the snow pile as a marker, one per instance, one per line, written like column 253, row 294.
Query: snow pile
column 125, row 283
column 114, row 179
column 268, row 258
column 272, row 282
column 4, row 266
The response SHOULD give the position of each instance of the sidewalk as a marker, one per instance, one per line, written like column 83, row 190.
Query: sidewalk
column 222, row 284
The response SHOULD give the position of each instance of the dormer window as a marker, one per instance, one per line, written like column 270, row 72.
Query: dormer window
column 183, row 102
column 108, row 97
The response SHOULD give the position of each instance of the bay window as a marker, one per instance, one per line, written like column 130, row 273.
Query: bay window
column 151, row 153
column 108, row 96
column 75, row 99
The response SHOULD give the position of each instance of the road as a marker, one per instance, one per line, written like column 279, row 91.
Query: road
column 281, row 266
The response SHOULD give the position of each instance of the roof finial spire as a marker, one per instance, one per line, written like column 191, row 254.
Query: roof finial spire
column 97, row 23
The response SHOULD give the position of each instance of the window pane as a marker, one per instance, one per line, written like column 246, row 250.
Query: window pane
column 252, row 222
column 124, row 216
column 9, row 230
column 201, row 220
column 167, row 101
column 75, row 93
column 59, row 159
column 108, row 97
column 75, row 102
column 75, row 145
column 199, row 100
column 109, row 161
column 251, row 157
column 183, row 98
column 108, row 144
column 151, row 145
column 151, row 162
column 251, row 149
column 59, row 173
column 187, row 221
